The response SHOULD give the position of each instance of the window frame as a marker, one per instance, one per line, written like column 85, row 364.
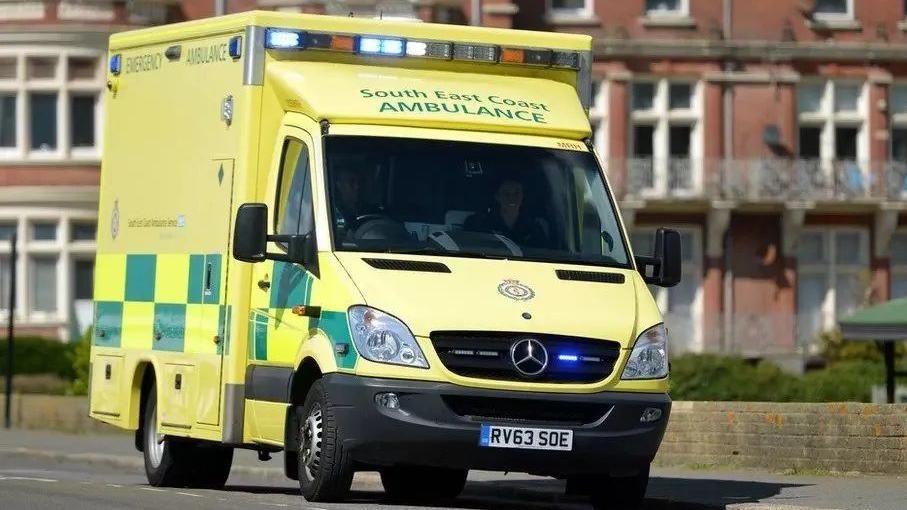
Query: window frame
column 849, row 15
column 828, row 120
column 21, row 87
column 306, row 149
column 662, row 117
column 831, row 268
column 693, row 268
column 586, row 11
column 897, row 270
column 682, row 11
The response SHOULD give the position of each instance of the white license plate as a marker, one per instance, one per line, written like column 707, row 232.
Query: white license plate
column 493, row 436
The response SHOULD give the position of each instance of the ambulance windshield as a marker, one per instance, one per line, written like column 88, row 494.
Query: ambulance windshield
column 398, row 195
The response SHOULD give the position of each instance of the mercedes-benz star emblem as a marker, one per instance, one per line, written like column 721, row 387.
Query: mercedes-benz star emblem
column 529, row 356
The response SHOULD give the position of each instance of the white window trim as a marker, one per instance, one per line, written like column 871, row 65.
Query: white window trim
column 831, row 16
column 586, row 11
column 64, row 88
column 65, row 251
column 682, row 11
column 662, row 117
column 688, row 270
column 598, row 116
column 831, row 268
column 828, row 119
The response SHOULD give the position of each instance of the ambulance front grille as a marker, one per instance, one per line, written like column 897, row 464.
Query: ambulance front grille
column 525, row 411
column 487, row 355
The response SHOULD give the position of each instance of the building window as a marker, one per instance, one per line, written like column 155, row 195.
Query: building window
column 44, row 231
column 50, row 104
column 83, row 274
column 666, row 144
column 833, row 143
column 832, row 277
column 83, row 231
column 681, row 304
column 667, row 7
column 43, row 283
column 897, row 106
column 833, row 9
column 570, row 7
column 899, row 264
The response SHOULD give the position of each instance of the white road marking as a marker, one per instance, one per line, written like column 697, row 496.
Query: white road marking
column 152, row 489
column 189, row 494
column 273, row 504
column 113, row 485
column 27, row 479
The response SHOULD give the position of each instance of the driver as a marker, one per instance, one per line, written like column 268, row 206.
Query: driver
column 348, row 205
column 509, row 218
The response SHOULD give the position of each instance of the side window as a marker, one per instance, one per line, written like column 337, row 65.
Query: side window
column 294, row 212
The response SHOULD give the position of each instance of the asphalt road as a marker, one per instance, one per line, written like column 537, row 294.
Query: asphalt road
column 48, row 484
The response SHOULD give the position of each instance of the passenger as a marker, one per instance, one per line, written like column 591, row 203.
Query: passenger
column 508, row 217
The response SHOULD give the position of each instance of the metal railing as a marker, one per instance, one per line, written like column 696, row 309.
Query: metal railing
column 759, row 180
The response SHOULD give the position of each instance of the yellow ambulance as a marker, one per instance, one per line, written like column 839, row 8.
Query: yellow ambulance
column 372, row 246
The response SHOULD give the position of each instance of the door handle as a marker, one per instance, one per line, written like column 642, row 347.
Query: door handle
column 264, row 284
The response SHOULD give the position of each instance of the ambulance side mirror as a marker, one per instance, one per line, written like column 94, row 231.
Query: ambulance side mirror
column 250, row 240
column 250, row 233
column 663, row 267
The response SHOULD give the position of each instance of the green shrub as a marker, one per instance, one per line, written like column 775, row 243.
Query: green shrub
column 80, row 357
column 710, row 377
column 36, row 355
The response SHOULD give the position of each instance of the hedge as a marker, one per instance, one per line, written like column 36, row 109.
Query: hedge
column 36, row 355
column 710, row 377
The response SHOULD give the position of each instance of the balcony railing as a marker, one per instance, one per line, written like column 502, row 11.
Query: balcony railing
column 758, row 180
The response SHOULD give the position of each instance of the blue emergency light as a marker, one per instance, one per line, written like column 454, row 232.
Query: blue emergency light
column 568, row 357
column 235, row 47
column 116, row 62
column 381, row 46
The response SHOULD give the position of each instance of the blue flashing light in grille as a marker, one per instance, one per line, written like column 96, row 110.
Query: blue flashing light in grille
column 380, row 46
column 116, row 62
column 235, row 47
column 568, row 357
column 284, row 39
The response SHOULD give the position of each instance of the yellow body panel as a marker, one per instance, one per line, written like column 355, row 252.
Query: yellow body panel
column 171, row 300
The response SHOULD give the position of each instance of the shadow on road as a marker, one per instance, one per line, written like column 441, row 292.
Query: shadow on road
column 664, row 493
column 713, row 493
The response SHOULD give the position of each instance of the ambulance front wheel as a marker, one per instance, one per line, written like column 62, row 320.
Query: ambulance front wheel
column 178, row 462
column 325, row 468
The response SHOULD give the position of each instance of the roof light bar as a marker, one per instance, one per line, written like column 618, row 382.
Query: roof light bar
column 381, row 46
column 524, row 56
column 323, row 41
column 429, row 49
column 284, row 39
column 475, row 52
column 568, row 59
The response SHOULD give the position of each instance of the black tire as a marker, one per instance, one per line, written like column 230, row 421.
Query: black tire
column 325, row 468
column 620, row 493
column 181, row 462
column 412, row 484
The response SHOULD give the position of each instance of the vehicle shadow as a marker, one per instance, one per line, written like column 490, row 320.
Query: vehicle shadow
column 665, row 493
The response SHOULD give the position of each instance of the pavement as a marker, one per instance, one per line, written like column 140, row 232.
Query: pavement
column 46, row 470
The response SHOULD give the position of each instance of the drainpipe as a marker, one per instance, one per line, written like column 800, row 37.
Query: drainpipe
column 728, row 135
column 220, row 7
column 475, row 18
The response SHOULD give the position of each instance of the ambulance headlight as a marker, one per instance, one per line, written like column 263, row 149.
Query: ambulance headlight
column 382, row 338
column 649, row 358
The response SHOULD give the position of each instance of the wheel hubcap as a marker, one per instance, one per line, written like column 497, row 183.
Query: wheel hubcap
column 154, row 442
column 310, row 447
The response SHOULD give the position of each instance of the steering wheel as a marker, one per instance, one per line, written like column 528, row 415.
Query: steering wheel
column 379, row 226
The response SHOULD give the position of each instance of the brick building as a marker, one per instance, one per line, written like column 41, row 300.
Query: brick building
column 772, row 134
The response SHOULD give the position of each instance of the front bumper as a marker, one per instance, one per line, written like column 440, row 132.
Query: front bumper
column 426, row 430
